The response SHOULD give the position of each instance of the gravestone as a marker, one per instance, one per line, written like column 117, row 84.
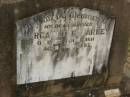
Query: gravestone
column 63, row 43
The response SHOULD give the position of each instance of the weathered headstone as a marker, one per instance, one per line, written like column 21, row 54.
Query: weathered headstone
column 62, row 43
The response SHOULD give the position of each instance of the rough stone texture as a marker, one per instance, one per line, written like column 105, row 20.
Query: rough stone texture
column 9, row 13
column 127, row 64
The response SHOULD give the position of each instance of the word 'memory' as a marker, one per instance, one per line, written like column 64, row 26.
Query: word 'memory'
column 73, row 15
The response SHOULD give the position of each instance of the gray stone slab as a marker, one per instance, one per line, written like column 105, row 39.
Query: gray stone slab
column 62, row 43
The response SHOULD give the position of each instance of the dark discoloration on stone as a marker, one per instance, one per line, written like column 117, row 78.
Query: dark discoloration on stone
column 9, row 13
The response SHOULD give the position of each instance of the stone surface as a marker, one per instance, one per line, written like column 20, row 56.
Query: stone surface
column 62, row 43
column 112, row 93
column 117, row 8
